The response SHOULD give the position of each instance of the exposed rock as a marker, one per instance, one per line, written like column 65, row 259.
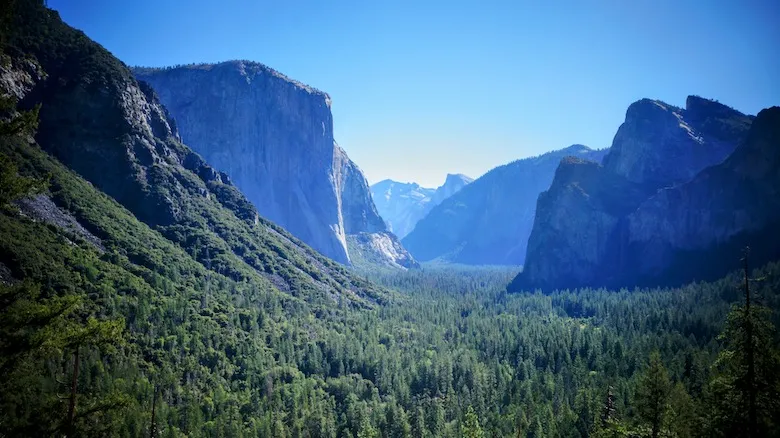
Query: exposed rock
column 724, row 208
column 274, row 137
column 359, row 215
column 584, row 204
column 661, row 144
column 402, row 205
column 452, row 184
column 489, row 220
column 655, row 213
column 6, row 276
column 41, row 208
column 379, row 249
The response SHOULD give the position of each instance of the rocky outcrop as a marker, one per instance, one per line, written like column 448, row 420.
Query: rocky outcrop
column 452, row 184
column 274, row 137
column 42, row 208
column 584, row 204
column 402, row 205
column 489, row 220
column 383, row 249
column 663, row 202
column 358, row 213
column 660, row 144
column 697, row 230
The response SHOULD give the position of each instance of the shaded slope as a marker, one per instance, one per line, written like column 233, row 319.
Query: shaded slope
column 489, row 221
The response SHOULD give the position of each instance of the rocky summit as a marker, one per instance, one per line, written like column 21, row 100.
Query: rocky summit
column 274, row 137
column 489, row 221
column 660, row 144
column 402, row 205
column 679, row 193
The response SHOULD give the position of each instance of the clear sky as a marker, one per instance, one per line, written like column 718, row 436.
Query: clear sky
column 421, row 88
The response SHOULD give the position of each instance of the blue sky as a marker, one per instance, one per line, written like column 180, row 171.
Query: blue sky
column 422, row 88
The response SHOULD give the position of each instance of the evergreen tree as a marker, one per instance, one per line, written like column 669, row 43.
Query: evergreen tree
column 653, row 394
column 470, row 427
column 745, row 386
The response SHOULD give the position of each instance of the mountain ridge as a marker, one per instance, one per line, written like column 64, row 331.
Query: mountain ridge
column 636, row 221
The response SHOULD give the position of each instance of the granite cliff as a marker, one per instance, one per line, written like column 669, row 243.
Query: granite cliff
column 680, row 191
column 274, row 137
column 402, row 205
column 489, row 221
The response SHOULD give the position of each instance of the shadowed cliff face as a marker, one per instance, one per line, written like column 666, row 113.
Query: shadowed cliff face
column 489, row 220
column 274, row 137
column 673, row 202
column 576, row 224
column 727, row 206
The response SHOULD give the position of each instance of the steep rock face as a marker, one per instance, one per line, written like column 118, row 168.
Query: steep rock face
column 452, row 184
column 655, row 197
column 661, row 144
column 402, row 205
column 725, row 207
column 99, row 121
column 274, row 137
column 489, row 221
column 600, row 199
column 359, row 215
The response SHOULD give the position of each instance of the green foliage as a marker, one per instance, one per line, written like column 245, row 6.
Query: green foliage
column 233, row 358
column 19, row 125
column 12, row 185
column 36, row 334
column 470, row 427
column 746, row 328
column 653, row 394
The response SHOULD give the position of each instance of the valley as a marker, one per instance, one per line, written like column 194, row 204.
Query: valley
column 187, row 251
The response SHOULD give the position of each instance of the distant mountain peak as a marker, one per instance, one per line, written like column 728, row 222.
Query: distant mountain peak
column 456, row 178
column 402, row 205
column 577, row 148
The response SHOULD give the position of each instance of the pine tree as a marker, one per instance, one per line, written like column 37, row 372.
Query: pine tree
column 470, row 427
column 745, row 386
column 367, row 430
column 12, row 185
column 653, row 394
